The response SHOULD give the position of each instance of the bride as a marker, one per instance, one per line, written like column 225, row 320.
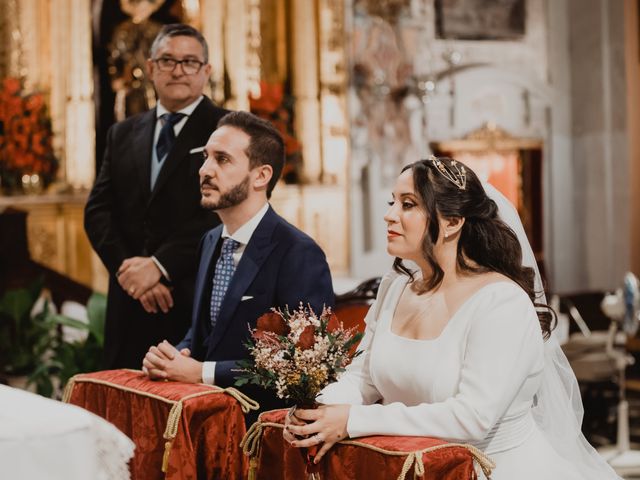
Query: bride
column 460, row 348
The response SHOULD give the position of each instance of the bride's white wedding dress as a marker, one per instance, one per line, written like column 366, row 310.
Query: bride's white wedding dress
column 475, row 383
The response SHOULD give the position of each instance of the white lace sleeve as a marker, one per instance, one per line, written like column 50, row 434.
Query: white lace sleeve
column 113, row 450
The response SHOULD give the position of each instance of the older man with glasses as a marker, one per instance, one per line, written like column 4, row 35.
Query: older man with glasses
column 143, row 216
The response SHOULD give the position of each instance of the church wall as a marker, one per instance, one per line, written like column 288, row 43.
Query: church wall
column 562, row 83
column 632, row 57
column 599, row 133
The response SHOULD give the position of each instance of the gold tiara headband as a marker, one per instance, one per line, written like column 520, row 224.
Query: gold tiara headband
column 455, row 173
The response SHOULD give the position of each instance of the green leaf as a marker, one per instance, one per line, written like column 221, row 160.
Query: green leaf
column 69, row 322
column 96, row 311
column 17, row 304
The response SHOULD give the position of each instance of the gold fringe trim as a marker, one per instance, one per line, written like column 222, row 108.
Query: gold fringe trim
column 68, row 389
column 173, row 420
column 252, row 441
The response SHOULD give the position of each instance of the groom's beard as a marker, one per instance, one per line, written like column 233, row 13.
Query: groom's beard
column 232, row 197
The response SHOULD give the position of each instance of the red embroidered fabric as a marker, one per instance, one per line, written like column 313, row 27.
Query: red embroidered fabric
column 373, row 458
column 208, row 424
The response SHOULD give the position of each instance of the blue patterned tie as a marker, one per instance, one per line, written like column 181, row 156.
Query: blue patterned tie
column 167, row 136
column 222, row 277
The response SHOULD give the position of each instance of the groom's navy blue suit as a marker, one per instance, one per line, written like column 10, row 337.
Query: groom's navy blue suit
column 280, row 266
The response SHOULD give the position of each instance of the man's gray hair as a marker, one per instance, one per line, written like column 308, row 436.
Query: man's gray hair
column 179, row 30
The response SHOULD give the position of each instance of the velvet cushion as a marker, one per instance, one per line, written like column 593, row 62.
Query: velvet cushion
column 373, row 458
column 181, row 430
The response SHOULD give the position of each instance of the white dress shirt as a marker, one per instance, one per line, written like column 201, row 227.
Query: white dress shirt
column 242, row 236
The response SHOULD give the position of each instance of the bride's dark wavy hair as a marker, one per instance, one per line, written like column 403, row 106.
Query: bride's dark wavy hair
column 485, row 239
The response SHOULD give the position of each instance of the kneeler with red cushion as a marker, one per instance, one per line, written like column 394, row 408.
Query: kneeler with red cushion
column 373, row 458
column 181, row 430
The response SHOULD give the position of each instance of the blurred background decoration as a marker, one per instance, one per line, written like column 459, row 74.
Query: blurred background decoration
column 27, row 162
column 275, row 106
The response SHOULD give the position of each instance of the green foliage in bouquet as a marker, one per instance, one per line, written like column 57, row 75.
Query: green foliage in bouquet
column 298, row 353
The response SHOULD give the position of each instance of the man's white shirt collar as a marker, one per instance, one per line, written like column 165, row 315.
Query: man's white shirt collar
column 188, row 110
column 244, row 233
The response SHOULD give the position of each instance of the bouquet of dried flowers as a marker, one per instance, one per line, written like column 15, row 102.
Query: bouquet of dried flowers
column 298, row 353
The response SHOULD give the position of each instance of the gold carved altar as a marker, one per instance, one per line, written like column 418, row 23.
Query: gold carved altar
column 295, row 45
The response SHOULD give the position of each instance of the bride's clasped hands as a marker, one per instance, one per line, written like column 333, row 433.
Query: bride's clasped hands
column 324, row 426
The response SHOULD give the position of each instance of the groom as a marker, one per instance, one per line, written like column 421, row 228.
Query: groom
column 252, row 262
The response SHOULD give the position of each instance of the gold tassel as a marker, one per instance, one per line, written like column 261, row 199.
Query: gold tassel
column 253, row 469
column 165, row 456
column 170, row 432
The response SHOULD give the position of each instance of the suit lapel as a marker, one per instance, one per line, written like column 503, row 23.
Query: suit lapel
column 141, row 148
column 257, row 251
column 187, row 139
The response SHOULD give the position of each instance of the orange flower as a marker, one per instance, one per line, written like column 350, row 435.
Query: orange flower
column 13, row 106
column 11, row 85
column 34, row 102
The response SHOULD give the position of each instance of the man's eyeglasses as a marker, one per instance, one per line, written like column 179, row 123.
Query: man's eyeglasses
column 189, row 66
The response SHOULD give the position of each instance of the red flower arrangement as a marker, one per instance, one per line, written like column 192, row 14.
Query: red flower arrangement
column 298, row 353
column 277, row 107
column 25, row 136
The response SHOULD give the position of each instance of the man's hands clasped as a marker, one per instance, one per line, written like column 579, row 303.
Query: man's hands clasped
column 140, row 278
column 165, row 362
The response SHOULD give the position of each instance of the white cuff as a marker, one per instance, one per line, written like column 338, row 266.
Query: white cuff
column 209, row 373
column 165, row 274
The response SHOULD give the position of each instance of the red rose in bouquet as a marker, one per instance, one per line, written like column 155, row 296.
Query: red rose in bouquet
column 274, row 323
column 307, row 338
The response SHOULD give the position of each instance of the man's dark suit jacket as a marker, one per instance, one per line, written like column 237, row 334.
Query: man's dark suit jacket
column 124, row 218
column 280, row 266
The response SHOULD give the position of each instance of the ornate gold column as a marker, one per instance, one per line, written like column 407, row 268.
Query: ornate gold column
column 72, row 105
column 34, row 46
column 305, row 84
column 235, row 46
column 212, row 15
column 333, row 89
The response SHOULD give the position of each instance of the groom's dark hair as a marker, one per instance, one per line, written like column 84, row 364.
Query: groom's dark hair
column 266, row 145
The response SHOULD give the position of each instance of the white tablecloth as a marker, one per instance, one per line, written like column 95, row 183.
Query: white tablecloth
column 45, row 439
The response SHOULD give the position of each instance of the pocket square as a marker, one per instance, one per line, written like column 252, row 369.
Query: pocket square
column 246, row 297
column 196, row 150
